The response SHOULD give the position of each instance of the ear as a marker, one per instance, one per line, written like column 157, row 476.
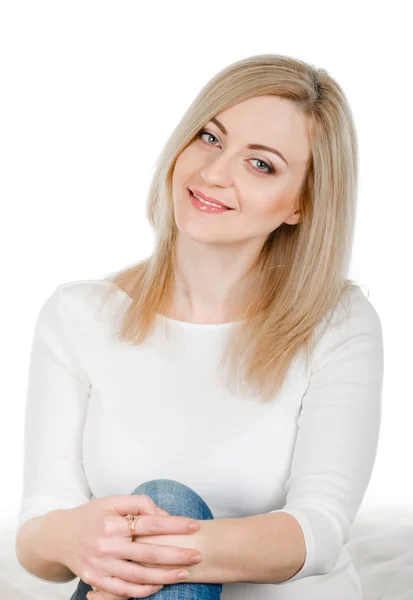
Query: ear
column 294, row 218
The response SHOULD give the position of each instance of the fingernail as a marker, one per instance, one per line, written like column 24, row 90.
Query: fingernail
column 196, row 558
column 156, row 588
column 183, row 575
column 194, row 526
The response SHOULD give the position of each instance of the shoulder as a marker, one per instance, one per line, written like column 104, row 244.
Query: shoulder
column 83, row 288
column 353, row 326
column 80, row 299
column 86, row 292
column 356, row 312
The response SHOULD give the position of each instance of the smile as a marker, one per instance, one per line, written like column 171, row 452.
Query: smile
column 205, row 206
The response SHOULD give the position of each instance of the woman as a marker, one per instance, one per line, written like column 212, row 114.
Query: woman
column 253, row 205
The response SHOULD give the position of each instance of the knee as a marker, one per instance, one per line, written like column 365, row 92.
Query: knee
column 175, row 497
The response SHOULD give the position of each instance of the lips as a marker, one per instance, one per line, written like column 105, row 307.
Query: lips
column 209, row 198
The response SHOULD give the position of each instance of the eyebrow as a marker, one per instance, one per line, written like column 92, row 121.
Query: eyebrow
column 251, row 146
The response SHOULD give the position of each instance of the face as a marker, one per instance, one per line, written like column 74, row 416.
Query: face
column 258, row 185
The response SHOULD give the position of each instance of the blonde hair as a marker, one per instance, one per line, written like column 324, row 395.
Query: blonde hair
column 301, row 273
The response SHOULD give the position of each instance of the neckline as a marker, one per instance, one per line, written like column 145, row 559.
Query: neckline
column 190, row 325
column 187, row 324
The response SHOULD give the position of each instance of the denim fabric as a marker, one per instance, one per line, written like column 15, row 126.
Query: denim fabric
column 179, row 500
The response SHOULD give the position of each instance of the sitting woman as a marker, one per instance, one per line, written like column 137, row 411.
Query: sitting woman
column 231, row 381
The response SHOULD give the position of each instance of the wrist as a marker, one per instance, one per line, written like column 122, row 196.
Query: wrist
column 54, row 528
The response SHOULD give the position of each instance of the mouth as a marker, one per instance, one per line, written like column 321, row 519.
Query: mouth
column 207, row 203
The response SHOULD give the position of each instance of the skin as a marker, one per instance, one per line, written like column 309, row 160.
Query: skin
column 214, row 251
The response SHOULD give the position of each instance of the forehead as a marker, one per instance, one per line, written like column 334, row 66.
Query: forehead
column 272, row 121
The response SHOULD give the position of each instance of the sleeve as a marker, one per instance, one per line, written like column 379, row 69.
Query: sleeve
column 56, row 405
column 338, row 432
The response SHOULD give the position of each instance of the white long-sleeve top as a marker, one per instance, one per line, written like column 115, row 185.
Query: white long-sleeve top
column 103, row 416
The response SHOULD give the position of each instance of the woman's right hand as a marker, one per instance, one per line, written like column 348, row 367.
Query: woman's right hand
column 96, row 544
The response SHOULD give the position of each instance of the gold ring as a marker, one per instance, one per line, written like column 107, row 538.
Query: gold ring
column 132, row 520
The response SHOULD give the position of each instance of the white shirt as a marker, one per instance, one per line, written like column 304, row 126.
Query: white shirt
column 103, row 416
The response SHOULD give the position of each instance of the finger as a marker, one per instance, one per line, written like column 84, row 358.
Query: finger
column 133, row 504
column 99, row 595
column 107, row 596
column 157, row 525
column 134, row 573
column 161, row 511
column 157, row 554
column 146, row 574
column 120, row 587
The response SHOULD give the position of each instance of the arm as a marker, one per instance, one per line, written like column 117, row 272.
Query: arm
column 35, row 542
column 56, row 404
column 335, row 449
column 265, row 548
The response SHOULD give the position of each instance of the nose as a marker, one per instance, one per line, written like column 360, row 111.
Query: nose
column 218, row 170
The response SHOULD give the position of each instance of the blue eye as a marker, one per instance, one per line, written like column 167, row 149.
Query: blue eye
column 270, row 169
column 203, row 132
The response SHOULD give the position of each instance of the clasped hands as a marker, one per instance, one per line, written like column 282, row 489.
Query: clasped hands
column 169, row 540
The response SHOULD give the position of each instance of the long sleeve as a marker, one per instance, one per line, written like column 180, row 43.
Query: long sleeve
column 56, row 405
column 338, row 434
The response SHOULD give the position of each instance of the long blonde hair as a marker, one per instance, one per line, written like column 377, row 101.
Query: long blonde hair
column 301, row 274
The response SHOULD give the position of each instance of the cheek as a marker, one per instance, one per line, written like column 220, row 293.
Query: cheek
column 267, row 213
column 280, row 203
column 176, row 175
column 180, row 177
column 270, row 207
column 185, row 163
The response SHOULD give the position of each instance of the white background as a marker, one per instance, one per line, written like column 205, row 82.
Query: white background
column 89, row 94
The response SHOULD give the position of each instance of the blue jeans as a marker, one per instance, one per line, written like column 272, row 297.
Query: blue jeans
column 179, row 500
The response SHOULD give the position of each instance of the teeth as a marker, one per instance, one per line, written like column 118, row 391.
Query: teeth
column 206, row 201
